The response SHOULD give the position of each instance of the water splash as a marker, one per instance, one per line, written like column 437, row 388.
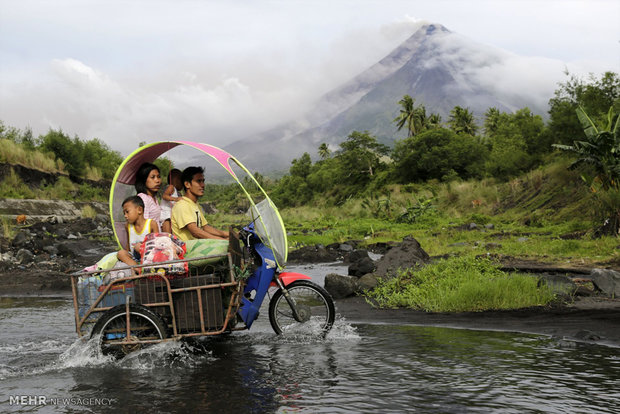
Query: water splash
column 83, row 353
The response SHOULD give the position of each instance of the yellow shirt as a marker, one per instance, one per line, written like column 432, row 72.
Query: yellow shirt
column 184, row 212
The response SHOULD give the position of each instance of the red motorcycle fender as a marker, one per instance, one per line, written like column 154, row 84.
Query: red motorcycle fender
column 289, row 277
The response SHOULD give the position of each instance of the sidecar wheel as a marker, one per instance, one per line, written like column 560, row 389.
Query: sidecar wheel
column 112, row 329
column 315, row 309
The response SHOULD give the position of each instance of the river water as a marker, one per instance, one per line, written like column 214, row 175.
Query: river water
column 359, row 367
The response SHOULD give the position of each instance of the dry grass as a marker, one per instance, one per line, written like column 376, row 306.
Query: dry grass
column 13, row 153
column 93, row 173
column 88, row 212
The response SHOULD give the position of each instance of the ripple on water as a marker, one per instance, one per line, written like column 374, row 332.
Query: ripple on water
column 354, row 368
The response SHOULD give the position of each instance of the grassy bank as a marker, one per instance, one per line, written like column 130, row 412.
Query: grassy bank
column 460, row 284
column 12, row 186
column 546, row 215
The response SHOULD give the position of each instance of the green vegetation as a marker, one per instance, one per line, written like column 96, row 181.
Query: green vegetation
column 546, row 215
column 8, row 229
column 56, row 152
column 12, row 186
column 505, row 174
column 14, row 153
column 460, row 284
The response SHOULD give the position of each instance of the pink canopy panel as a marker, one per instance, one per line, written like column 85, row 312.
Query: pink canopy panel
column 151, row 152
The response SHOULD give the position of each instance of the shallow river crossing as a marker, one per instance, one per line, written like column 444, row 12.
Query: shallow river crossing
column 361, row 367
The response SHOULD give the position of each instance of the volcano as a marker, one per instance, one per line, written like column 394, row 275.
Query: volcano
column 438, row 68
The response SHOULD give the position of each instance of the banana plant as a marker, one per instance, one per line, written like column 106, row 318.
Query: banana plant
column 600, row 151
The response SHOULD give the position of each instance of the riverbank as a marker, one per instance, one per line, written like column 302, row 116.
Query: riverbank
column 593, row 320
column 588, row 320
column 38, row 259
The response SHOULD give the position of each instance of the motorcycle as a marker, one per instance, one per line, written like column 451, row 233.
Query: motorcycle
column 221, row 292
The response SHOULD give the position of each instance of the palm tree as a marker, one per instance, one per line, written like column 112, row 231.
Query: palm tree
column 491, row 121
column 324, row 151
column 462, row 120
column 414, row 117
column 433, row 121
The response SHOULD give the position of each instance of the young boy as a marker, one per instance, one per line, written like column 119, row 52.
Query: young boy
column 137, row 228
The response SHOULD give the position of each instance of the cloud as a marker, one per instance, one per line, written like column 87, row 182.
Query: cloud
column 517, row 81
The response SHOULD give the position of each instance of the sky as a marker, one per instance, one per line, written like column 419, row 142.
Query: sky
column 217, row 71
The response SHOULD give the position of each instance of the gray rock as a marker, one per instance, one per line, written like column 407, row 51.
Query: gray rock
column 559, row 284
column 51, row 249
column 21, row 239
column 72, row 236
column 65, row 251
column 522, row 239
column 361, row 267
column 472, row 226
column 346, row 247
column 407, row 254
column 587, row 336
column 24, row 256
column 357, row 255
column 607, row 280
column 368, row 282
column 339, row 286
column 490, row 226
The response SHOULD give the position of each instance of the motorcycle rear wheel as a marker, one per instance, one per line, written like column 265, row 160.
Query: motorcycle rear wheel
column 315, row 308
column 112, row 328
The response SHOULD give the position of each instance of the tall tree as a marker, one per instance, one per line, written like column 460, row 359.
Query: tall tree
column 491, row 121
column 462, row 121
column 324, row 151
column 433, row 121
column 438, row 154
column 361, row 155
column 412, row 116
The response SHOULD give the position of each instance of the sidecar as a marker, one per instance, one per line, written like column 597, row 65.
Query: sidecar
column 222, row 289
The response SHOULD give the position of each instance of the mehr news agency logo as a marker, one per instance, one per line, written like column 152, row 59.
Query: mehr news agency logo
column 38, row 400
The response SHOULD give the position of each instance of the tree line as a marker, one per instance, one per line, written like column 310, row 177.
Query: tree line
column 504, row 146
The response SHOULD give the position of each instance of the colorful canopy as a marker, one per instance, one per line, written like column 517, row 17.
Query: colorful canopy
column 268, row 224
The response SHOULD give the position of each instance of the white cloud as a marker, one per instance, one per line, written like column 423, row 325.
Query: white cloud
column 144, row 70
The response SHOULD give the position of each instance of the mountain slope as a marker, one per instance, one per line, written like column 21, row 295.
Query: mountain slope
column 438, row 68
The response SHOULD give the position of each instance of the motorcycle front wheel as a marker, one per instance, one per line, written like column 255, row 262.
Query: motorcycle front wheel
column 315, row 309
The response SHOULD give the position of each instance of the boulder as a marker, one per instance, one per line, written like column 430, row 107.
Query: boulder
column 607, row 281
column 368, row 282
column 24, row 256
column 361, row 267
column 51, row 249
column 407, row 254
column 313, row 254
column 339, row 286
column 21, row 239
column 357, row 255
column 65, row 250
